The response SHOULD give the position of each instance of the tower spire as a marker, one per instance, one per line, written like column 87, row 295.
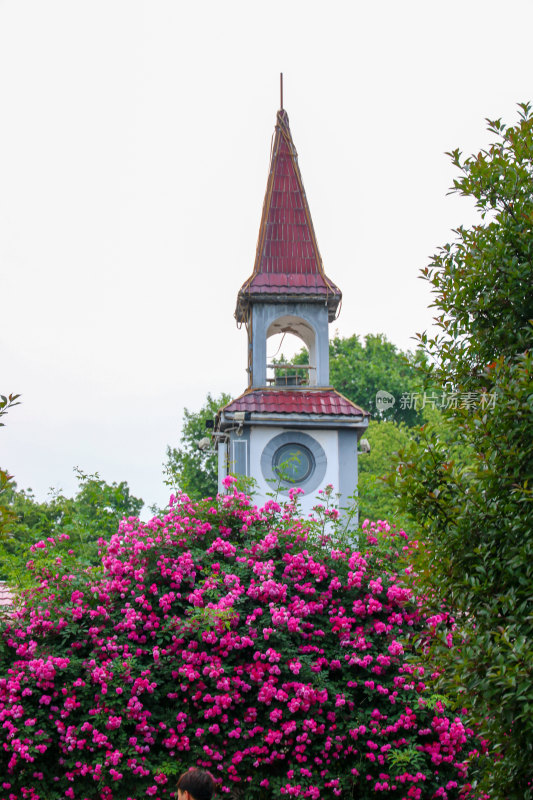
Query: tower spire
column 288, row 265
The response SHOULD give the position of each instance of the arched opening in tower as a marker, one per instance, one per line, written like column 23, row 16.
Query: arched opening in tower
column 291, row 352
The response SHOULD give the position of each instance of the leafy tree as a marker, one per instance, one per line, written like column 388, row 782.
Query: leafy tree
column 477, row 518
column 375, row 499
column 360, row 371
column 236, row 639
column 94, row 512
column 188, row 468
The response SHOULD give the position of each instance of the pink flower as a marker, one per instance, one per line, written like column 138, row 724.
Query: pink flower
column 224, row 635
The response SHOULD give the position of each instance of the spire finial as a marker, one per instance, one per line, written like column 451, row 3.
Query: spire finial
column 281, row 90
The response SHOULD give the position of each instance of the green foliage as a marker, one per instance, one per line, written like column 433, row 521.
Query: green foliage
column 408, row 760
column 360, row 371
column 376, row 496
column 195, row 471
column 6, row 518
column 291, row 375
column 376, row 501
column 93, row 513
column 476, row 513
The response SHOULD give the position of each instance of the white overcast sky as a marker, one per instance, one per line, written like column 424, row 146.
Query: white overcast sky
column 134, row 148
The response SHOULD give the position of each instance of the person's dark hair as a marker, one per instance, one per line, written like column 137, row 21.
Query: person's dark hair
column 199, row 784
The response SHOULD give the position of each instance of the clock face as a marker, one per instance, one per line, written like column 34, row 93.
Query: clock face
column 294, row 463
column 293, row 459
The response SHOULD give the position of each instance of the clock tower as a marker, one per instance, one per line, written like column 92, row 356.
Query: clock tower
column 290, row 427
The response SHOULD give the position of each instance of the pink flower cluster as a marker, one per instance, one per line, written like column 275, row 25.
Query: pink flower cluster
column 224, row 636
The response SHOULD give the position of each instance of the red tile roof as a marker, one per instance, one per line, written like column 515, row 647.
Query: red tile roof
column 287, row 262
column 287, row 401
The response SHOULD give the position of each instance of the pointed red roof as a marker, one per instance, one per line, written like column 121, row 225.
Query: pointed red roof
column 287, row 262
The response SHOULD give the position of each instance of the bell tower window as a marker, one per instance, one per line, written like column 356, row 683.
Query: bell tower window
column 285, row 337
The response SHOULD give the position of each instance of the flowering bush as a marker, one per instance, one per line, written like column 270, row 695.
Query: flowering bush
column 235, row 638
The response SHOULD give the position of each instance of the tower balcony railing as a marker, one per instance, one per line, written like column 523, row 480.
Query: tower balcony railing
column 290, row 374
